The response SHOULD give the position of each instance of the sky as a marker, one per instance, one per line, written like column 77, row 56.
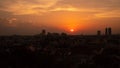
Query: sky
column 26, row 17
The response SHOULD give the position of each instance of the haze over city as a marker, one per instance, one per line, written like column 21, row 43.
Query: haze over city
column 59, row 33
column 28, row 17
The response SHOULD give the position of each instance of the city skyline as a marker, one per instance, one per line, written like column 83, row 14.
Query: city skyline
column 26, row 17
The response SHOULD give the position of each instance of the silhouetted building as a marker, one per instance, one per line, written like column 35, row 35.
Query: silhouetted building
column 98, row 32
column 43, row 32
column 48, row 33
column 108, row 31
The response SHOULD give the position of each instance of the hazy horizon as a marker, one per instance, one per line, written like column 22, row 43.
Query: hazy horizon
column 28, row 17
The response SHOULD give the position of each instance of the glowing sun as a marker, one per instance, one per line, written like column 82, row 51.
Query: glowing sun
column 71, row 30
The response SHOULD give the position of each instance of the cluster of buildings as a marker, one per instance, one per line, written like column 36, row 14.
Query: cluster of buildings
column 108, row 31
column 71, row 51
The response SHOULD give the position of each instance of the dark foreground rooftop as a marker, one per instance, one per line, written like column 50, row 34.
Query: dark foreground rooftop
column 60, row 51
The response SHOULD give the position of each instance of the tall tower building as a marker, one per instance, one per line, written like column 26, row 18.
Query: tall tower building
column 43, row 32
column 106, row 31
column 109, row 31
column 98, row 32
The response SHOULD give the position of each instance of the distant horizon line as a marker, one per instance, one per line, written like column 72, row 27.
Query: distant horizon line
column 60, row 34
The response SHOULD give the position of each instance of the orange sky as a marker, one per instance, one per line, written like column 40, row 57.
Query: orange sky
column 84, row 16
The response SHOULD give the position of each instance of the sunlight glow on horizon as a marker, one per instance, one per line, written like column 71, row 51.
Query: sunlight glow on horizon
column 72, row 30
column 70, row 16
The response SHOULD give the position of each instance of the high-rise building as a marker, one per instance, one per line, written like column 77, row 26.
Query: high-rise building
column 43, row 32
column 98, row 32
column 108, row 31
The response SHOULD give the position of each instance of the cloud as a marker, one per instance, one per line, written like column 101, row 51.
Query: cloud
column 68, row 8
column 91, row 3
column 98, row 8
column 22, row 7
column 114, row 13
column 38, row 7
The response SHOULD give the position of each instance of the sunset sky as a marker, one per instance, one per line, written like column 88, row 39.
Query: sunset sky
column 82, row 16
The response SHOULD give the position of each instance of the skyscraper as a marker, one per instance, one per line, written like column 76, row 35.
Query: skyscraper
column 108, row 31
column 98, row 32
column 43, row 32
